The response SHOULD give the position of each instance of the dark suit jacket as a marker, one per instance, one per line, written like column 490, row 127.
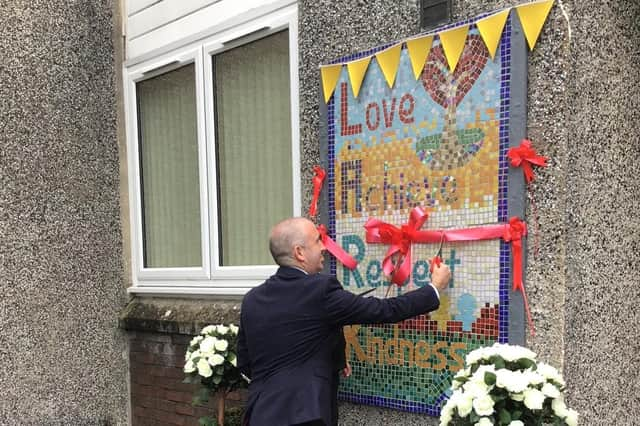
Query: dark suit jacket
column 289, row 329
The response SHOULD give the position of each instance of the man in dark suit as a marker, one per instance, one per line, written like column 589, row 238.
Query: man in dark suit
column 291, row 325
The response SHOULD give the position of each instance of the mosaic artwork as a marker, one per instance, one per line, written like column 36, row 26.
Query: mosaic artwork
column 438, row 142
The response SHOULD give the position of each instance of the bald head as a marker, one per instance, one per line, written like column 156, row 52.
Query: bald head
column 285, row 236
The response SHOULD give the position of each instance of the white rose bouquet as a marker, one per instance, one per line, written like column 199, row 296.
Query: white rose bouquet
column 211, row 361
column 505, row 385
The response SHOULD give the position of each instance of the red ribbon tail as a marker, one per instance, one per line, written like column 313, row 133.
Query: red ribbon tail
column 518, row 285
column 339, row 253
column 402, row 273
column 313, row 209
column 532, row 328
column 528, row 171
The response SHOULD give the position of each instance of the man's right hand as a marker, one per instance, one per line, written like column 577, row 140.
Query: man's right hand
column 441, row 276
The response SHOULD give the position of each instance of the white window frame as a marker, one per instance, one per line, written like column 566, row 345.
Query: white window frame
column 211, row 277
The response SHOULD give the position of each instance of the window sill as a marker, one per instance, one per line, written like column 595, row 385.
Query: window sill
column 178, row 316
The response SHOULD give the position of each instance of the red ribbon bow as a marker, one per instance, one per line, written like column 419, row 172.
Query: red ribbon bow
column 524, row 155
column 318, row 180
column 513, row 233
column 338, row 252
column 400, row 240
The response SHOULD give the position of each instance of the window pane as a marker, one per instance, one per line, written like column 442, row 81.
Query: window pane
column 169, row 165
column 253, row 135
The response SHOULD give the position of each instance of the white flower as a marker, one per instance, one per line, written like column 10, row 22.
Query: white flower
column 513, row 381
column 476, row 355
column 550, row 373
column 221, row 345
column 216, row 359
column 187, row 355
column 514, row 353
column 234, row 329
column 203, row 368
column 533, row 377
column 533, row 399
column 221, row 329
column 465, row 404
column 517, row 396
column 550, row 390
column 516, row 423
column 483, row 405
column 208, row 329
column 559, row 408
column 446, row 414
column 572, row 418
column 484, row 421
column 476, row 389
column 479, row 374
column 207, row 345
column 196, row 340
column 189, row 367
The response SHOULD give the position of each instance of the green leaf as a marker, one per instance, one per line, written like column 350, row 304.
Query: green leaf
column 505, row 417
column 526, row 363
column 489, row 378
column 203, row 394
column 498, row 362
column 207, row 421
column 516, row 415
column 217, row 379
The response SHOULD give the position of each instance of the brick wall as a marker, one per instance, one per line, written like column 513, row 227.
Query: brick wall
column 158, row 396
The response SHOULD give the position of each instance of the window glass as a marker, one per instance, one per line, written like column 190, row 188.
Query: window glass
column 169, row 169
column 253, row 147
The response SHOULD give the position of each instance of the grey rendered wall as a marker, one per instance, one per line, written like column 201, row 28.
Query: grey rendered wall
column 583, row 102
column 63, row 357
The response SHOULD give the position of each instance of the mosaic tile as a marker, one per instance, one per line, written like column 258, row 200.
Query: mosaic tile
column 438, row 142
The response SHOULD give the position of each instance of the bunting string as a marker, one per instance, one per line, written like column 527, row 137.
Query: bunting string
column 532, row 17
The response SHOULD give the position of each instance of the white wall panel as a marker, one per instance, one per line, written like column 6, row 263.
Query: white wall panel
column 160, row 28
column 134, row 6
column 162, row 13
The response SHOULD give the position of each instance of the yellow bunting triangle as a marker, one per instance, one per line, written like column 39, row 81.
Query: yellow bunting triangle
column 389, row 59
column 418, row 49
column 490, row 29
column 357, row 70
column 532, row 17
column 453, row 44
column 330, row 75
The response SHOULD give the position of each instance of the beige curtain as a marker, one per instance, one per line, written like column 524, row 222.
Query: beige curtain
column 253, row 137
column 169, row 163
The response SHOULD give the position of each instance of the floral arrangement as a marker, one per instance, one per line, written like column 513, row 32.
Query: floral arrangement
column 211, row 361
column 505, row 385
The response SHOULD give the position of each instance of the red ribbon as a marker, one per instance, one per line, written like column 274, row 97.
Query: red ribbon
column 318, row 180
column 524, row 155
column 400, row 240
column 338, row 252
column 514, row 233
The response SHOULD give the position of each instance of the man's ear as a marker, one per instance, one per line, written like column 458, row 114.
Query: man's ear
column 298, row 253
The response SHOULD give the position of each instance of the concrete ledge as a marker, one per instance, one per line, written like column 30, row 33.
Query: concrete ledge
column 177, row 316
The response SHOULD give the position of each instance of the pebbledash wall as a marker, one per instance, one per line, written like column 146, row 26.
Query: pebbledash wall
column 64, row 258
column 62, row 284
column 582, row 103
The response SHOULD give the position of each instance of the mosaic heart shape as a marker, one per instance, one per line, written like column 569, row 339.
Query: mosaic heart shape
column 437, row 79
